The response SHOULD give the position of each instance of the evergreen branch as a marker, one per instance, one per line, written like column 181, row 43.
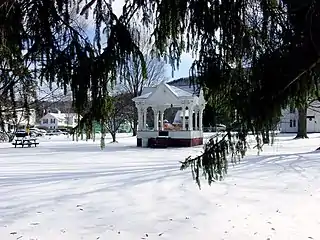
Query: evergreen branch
column 87, row 6
column 213, row 161
column 305, row 71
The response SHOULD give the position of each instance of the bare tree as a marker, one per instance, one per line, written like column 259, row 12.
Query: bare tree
column 118, row 113
column 134, row 82
column 17, row 89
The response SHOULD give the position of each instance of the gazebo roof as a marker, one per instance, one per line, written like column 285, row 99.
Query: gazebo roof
column 179, row 92
column 186, row 84
column 165, row 95
column 163, row 90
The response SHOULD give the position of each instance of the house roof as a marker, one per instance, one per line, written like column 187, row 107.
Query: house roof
column 60, row 116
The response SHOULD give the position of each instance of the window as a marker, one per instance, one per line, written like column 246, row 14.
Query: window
column 45, row 121
column 293, row 123
column 292, row 110
column 53, row 120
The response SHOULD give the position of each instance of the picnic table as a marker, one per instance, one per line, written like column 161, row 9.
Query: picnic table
column 23, row 139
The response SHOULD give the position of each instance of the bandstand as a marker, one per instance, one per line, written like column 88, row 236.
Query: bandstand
column 186, row 132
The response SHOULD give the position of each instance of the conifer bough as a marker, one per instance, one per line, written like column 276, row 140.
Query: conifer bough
column 252, row 56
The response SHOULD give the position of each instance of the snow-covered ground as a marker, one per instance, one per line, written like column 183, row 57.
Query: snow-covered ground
column 73, row 190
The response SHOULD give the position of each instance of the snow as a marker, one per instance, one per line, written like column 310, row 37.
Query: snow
column 144, row 96
column 178, row 91
column 73, row 190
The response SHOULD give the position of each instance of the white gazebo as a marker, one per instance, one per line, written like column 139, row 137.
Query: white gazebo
column 186, row 133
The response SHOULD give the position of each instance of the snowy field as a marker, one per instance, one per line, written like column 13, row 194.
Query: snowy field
column 70, row 191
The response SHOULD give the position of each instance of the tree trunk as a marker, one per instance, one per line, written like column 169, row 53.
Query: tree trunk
column 103, row 134
column 265, row 137
column 82, row 137
column 113, row 135
column 135, row 127
column 135, row 121
column 302, row 123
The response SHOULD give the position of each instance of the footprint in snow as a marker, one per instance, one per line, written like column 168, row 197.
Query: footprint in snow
column 146, row 236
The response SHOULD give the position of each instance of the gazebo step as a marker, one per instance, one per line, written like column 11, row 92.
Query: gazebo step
column 158, row 142
column 159, row 145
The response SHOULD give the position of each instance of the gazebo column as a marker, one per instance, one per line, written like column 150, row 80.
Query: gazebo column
column 161, row 118
column 140, row 119
column 156, row 119
column 196, row 119
column 145, row 119
column 200, row 119
column 190, row 125
column 183, row 118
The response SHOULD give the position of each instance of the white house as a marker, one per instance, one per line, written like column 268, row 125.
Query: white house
column 22, row 119
column 59, row 120
column 290, row 116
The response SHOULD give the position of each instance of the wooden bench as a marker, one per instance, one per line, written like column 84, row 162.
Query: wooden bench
column 25, row 142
